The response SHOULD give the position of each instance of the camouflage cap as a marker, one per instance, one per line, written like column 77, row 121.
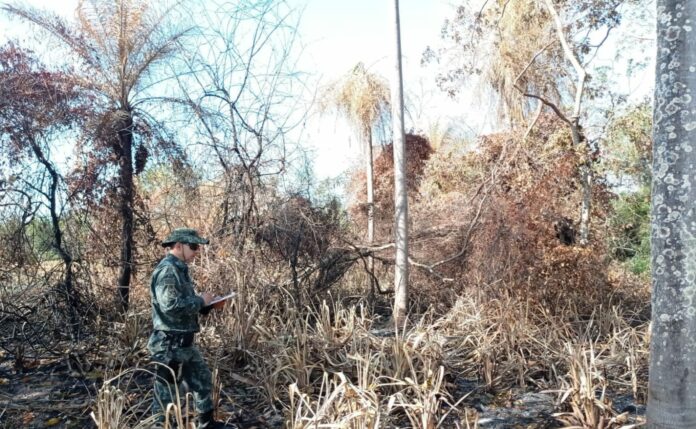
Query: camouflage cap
column 184, row 235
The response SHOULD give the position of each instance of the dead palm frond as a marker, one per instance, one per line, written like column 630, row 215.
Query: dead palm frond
column 361, row 96
column 118, row 43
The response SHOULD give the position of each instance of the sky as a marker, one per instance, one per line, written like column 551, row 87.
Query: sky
column 339, row 34
column 336, row 34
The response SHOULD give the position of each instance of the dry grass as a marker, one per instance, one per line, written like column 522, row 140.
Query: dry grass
column 333, row 364
column 336, row 366
column 119, row 405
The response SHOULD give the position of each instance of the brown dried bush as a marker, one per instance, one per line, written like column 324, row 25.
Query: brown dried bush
column 501, row 217
column 418, row 151
column 302, row 237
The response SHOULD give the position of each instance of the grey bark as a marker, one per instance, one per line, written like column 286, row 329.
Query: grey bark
column 586, row 184
column 369, row 174
column 574, row 122
column 672, row 381
column 400, row 189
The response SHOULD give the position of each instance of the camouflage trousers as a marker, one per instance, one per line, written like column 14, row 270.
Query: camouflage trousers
column 186, row 365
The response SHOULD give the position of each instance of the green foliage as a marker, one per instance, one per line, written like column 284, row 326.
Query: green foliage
column 27, row 241
column 629, row 241
column 627, row 165
column 40, row 235
column 628, row 146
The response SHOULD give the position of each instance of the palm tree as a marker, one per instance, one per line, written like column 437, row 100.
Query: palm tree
column 362, row 97
column 672, row 383
column 400, row 186
column 118, row 46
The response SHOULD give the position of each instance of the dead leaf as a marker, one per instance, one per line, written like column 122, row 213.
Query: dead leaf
column 27, row 418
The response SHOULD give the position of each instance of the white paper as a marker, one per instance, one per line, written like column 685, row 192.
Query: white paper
column 222, row 298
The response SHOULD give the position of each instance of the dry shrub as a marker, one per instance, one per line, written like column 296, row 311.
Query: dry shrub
column 584, row 392
column 503, row 342
column 501, row 217
column 418, row 151
column 510, row 342
column 302, row 237
column 340, row 372
column 295, row 229
column 339, row 404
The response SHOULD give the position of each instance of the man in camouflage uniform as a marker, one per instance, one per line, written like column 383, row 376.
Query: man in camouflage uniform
column 175, row 310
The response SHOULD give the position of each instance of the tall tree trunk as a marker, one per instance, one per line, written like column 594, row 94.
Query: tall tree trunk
column 574, row 122
column 125, row 136
column 66, row 286
column 585, row 182
column 672, row 384
column 400, row 189
column 586, row 208
column 369, row 174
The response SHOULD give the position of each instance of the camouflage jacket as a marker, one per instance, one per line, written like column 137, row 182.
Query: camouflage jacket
column 175, row 305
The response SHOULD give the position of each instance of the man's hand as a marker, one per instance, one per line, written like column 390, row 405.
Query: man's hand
column 207, row 298
column 219, row 305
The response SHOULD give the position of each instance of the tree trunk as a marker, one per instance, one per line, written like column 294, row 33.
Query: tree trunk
column 586, row 180
column 672, row 384
column 66, row 286
column 400, row 189
column 586, row 184
column 125, row 136
column 369, row 174
column 574, row 122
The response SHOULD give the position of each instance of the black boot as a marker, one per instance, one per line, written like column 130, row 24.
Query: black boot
column 206, row 421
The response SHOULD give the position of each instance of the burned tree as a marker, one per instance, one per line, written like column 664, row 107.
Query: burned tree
column 118, row 65
column 38, row 109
